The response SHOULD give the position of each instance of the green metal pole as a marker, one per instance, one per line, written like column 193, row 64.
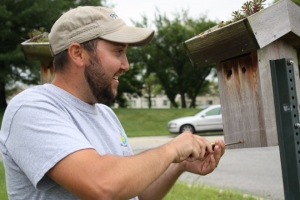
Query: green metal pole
column 288, row 127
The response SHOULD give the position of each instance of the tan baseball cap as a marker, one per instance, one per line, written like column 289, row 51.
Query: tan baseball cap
column 85, row 23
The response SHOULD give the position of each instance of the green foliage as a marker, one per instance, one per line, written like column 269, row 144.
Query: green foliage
column 17, row 19
column 210, row 88
column 166, row 56
column 248, row 8
column 182, row 191
column 151, row 87
column 237, row 15
column 251, row 7
column 38, row 35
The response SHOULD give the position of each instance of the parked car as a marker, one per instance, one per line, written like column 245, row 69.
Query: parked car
column 208, row 119
column 203, row 107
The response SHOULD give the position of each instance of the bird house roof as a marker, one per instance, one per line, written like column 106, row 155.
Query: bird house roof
column 279, row 21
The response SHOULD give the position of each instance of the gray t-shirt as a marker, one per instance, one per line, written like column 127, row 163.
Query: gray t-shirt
column 44, row 124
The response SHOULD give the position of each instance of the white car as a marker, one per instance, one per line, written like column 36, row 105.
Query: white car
column 208, row 119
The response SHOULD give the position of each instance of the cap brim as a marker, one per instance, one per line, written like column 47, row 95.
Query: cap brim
column 133, row 36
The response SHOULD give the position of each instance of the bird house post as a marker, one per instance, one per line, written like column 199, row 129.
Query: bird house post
column 40, row 51
column 242, row 51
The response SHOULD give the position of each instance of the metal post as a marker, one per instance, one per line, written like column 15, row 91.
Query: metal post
column 288, row 127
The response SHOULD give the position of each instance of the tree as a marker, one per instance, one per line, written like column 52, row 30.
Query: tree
column 166, row 57
column 208, row 88
column 17, row 19
column 151, row 88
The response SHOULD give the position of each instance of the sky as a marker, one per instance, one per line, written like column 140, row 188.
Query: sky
column 216, row 10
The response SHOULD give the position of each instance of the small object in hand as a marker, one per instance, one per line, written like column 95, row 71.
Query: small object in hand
column 241, row 141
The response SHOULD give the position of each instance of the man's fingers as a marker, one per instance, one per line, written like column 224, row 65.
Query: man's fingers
column 201, row 149
column 219, row 150
column 191, row 147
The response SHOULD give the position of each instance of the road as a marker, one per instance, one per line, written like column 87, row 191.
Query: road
column 253, row 171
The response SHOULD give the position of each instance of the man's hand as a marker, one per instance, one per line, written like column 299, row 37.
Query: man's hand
column 190, row 147
column 209, row 163
column 195, row 154
column 188, row 152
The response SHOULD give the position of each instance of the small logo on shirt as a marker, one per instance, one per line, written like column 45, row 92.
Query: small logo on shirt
column 123, row 139
column 114, row 16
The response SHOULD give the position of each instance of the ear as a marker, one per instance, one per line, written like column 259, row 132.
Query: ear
column 77, row 54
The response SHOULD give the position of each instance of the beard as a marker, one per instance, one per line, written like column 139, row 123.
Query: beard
column 99, row 82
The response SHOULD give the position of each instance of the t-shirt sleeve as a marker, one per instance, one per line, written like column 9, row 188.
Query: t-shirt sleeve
column 40, row 136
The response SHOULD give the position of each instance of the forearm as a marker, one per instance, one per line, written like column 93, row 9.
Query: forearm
column 140, row 171
column 109, row 176
column 158, row 189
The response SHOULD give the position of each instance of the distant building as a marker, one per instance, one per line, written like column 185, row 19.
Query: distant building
column 162, row 101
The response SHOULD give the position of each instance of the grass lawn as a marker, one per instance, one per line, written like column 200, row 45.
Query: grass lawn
column 182, row 191
column 149, row 122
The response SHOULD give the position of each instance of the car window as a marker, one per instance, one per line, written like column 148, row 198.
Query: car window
column 215, row 111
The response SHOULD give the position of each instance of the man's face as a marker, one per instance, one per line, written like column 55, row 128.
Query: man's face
column 104, row 68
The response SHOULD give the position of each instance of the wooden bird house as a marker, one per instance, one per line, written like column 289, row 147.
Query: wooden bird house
column 40, row 51
column 242, row 52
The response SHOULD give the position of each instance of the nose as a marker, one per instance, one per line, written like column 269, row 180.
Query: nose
column 125, row 64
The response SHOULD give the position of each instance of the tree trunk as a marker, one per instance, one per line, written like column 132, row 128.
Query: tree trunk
column 149, row 101
column 183, row 102
column 193, row 103
column 171, row 97
column 149, row 97
column 3, row 103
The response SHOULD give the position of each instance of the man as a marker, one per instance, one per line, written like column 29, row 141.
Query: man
column 60, row 142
